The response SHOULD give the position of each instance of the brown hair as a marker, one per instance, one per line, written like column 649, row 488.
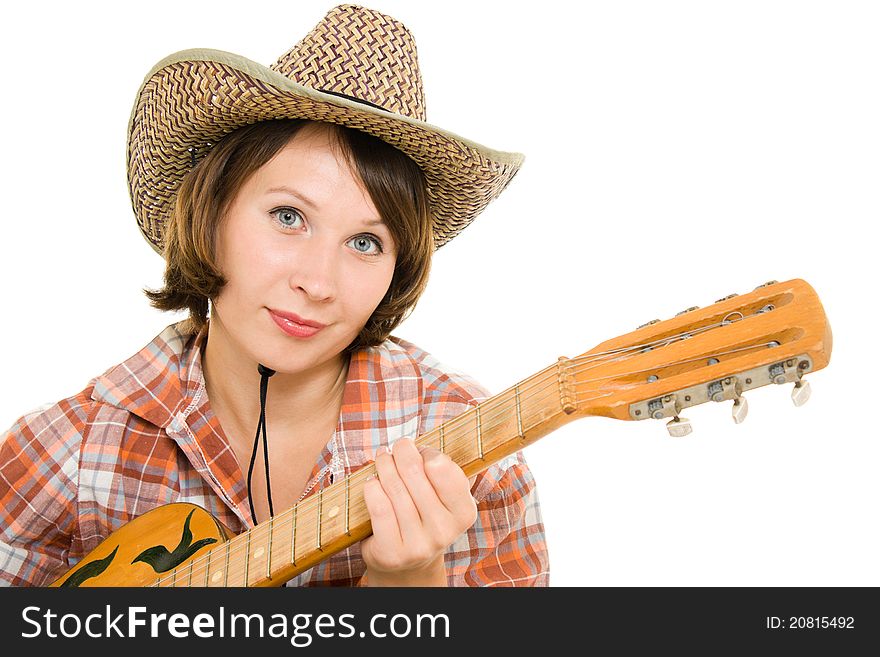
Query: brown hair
column 394, row 182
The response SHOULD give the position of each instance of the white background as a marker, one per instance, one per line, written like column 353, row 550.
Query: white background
column 676, row 152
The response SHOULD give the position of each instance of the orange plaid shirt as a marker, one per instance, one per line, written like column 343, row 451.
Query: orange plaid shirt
column 143, row 434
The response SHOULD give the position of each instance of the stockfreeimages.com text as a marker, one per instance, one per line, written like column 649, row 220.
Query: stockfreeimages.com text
column 300, row 629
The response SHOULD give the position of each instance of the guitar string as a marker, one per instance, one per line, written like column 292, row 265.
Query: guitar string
column 762, row 345
column 500, row 408
column 548, row 386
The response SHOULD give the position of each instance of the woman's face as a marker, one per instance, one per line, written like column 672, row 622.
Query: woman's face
column 306, row 257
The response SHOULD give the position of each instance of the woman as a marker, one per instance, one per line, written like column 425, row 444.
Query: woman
column 297, row 208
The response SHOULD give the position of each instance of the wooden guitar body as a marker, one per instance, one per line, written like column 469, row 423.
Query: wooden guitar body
column 138, row 553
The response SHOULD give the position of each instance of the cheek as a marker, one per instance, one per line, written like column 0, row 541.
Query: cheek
column 242, row 280
column 367, row 289
column 246, row 258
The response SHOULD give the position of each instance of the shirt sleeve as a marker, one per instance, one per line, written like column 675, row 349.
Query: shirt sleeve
column 39, row 457
column 506, row 546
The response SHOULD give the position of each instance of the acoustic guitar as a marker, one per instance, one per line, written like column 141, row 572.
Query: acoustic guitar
column 776, row 334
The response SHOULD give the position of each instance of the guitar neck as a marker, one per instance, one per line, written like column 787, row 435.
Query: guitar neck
column 336, row 517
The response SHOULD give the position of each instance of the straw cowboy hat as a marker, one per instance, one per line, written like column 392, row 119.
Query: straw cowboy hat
column 357, row 68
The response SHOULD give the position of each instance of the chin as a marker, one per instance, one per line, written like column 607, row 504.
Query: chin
column 293, row 359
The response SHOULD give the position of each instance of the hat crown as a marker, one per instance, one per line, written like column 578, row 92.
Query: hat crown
column 362, row 54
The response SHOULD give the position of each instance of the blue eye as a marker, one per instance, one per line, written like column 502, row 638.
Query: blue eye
column 366, row 244
column 287, row 217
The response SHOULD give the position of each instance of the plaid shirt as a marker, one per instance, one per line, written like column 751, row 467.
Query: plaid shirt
column 143, row 434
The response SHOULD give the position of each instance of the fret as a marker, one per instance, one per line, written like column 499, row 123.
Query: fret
column 442, row 439
column 479, row 434
column 320, row 513
column 189, row 581
column 293, row 536
column 269, row 556
column 226, row 569
column 208, row 567
column 347, row 504
column 519, row 426
column 247, row 557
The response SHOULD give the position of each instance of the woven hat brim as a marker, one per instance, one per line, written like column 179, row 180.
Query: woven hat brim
column 194, row 97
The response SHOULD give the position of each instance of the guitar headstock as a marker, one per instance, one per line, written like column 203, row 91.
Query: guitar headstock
column 775, row 334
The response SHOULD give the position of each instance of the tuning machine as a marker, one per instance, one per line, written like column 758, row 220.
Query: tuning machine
column 730, row 388
column 792, row 371
column 669, row 406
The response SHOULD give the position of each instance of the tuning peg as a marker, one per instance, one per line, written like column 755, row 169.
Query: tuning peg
column 678, row 427
column 801, row 392
column 669, row 406
column 730, row 388
column 729, row 296
column 653, row 321
column 786, row 372
column 686, row 310
column 765, row 285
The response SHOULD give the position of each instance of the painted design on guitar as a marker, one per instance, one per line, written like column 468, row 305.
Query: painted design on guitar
column 162, row 560
column 89, row 570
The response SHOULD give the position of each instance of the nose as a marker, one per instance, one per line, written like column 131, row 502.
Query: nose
column 314, row 269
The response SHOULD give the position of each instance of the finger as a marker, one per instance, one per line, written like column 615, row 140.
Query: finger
column 450, row 484
column 408, row 518
column 411, row 468
column 386, row 532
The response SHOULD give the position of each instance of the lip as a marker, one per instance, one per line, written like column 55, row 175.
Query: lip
column 294, row 325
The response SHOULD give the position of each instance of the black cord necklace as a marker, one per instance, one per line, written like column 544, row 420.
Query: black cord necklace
column 265, row 373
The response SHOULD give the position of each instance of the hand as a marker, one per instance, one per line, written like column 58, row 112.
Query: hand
column 418, row 505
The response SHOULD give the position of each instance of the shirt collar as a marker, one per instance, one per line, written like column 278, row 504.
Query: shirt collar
column 158, row 381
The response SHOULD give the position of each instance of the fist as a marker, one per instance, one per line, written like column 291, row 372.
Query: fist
column 419, row 503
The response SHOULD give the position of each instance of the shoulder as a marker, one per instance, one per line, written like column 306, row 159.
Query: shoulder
column 59, row 427
column 404, row 382
column 39, row 465
column 53, row 428
column 440, row 380
column 408, row 386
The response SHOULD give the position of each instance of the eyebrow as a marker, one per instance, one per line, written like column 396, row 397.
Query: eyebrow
column 305, row 199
